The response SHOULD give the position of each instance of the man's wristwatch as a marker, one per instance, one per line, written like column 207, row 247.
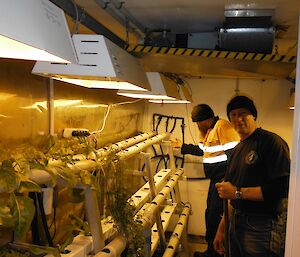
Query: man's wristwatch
column 238, row 194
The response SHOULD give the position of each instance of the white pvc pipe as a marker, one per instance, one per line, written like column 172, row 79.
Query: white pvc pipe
column 114, row 248
column 51, row 107
column 116, row 147
column 178, row 231
column 148, row 217
column 137, row 148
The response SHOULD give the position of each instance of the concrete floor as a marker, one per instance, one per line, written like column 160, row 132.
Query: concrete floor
column 195, row 244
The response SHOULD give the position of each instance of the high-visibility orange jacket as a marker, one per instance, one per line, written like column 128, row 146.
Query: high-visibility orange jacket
column 215, row 148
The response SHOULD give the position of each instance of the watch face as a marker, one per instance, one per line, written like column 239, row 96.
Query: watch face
column 238, row 195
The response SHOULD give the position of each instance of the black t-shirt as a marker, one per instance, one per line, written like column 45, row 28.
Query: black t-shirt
column 263, row 160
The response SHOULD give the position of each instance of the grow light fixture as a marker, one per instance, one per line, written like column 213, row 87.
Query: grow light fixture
column 184, row 98
column 162, row 88
column 35, row 30
column 101, row 64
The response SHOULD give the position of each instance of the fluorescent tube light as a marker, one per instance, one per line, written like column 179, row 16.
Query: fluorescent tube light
column 170, row 101
column 102, row 84
column 184, row 98
column 144, row 95
column 161, row 88
column 34, row 30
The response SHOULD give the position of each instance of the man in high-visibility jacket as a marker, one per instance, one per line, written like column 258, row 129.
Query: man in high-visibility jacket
column 218, row 140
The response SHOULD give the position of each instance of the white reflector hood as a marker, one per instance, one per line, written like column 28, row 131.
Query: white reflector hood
column 161, row 88
column 99, row 60
column 34, row 30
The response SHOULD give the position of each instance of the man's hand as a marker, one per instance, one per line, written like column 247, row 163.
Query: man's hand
column 226, row 190
column 218, row 242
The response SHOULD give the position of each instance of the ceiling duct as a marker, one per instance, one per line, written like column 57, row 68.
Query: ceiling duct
column 247, row 30
column 101, row 64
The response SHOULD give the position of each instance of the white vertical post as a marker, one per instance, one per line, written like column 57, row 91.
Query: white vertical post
column 153, row 193
column 292, row 247
column 93, row 217
column 173, row 168
column 51, row 106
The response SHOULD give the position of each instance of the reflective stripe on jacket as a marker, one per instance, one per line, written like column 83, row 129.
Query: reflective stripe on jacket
column 220, row 138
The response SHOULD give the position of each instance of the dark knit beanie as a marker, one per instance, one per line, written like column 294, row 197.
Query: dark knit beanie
column 202, row 112
column 241, row 101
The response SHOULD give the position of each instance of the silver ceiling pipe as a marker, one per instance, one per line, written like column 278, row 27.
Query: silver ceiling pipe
column 118, row 11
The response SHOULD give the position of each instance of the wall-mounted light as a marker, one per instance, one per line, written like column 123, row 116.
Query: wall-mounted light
column 34, row 30
column 162, row 88
column 101, row 64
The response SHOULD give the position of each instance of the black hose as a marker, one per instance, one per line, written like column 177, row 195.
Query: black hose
column 35, row 233
column 43, row 217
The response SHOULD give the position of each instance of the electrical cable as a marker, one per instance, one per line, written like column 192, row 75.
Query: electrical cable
column 167, row 123
column 35, row 234
column 174, row 125
column 104, row 122
column 107, row 113
column 53, row 223
column 44, row 220
column 190, row 126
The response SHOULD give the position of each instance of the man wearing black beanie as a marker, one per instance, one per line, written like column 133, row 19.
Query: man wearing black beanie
column 256, row 184
column 218, row 140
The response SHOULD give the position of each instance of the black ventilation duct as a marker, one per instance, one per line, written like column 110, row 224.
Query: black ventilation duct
column 247, row 34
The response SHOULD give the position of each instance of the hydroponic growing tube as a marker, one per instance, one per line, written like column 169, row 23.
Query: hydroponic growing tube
column 43, row 177
column 178, row 231
column 148, row 217
column 114, row 248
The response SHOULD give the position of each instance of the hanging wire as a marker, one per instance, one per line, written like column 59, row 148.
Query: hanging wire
column 76, row 25
column 106, row 115
column 189, row 125
column 237, row 87
column 104, row 121
column 127, row 31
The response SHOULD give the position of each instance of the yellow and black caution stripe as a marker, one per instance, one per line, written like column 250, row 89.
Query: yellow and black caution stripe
column 211, row 53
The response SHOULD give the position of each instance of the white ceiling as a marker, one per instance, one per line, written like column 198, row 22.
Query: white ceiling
column 190, row 16
column 195, row 16
column 185, row 16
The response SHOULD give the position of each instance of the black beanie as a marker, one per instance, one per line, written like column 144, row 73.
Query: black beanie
column 241, row 101
column 202, row 112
